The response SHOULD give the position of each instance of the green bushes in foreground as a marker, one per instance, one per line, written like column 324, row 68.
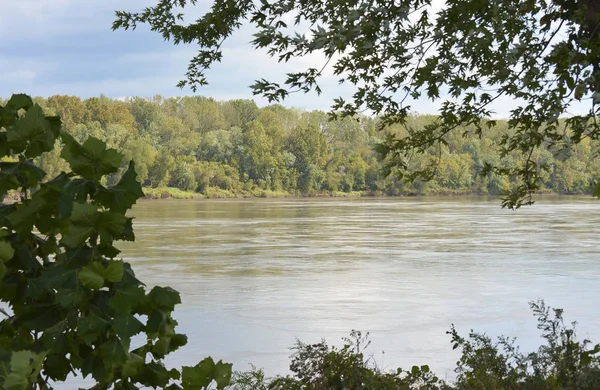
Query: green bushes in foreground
column 561, row 363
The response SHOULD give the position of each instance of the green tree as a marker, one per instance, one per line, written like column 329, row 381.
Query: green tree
column 144, row 112
column 71, row 306
column 108, row 111
column 541, row 54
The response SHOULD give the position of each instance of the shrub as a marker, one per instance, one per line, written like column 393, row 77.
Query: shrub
column 73, row 307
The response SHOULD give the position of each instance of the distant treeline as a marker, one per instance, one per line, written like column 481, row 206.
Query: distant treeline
column 234, row 147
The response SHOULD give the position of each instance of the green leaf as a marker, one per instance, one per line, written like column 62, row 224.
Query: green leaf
column 84, row 218
column 156, row 375
column 110, row 225
column 126, row 298
column 91, row 276
column 199, row 376
column 121, row 197
column 222, row 374
column 31, row 133
column 70, row 298
column 596, row 192
column 92, row 160
column 41, row 316
column 25, row 367
column 7, row 118
column 19, row 101
column 6, row 251
column 164, row 298
column 57, row 367
column 114, row 352
column 4, row 364
column 126, row 325
column 22, row 174
column 91, row 327
column 59, row 276
column 113, row 271
column 78, row 190
column 133, row 366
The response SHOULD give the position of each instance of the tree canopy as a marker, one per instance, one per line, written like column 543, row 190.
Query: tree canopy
column 234, row 148
column 464, row 55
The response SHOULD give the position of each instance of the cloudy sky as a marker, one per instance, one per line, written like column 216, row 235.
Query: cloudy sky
column 67, row 47
column 53, row 47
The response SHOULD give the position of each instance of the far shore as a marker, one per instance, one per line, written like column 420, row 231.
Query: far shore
column 175, row 193
column 216, row 193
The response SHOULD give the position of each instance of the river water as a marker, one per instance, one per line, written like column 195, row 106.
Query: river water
column 255, row 275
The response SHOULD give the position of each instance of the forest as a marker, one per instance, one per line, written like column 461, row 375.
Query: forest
column 234, row 148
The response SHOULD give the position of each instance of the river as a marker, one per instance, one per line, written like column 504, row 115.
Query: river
column 257, row 274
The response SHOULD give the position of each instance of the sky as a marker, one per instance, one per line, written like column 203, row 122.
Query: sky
column 54, row 47
column 51, row 47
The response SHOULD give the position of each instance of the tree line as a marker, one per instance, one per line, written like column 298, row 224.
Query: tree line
column 233, row 148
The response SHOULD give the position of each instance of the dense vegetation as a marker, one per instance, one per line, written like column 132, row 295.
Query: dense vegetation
column 69, row 305
column 562, row 362
column 235, row 148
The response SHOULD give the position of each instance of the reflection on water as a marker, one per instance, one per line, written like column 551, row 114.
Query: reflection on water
column 257, row 274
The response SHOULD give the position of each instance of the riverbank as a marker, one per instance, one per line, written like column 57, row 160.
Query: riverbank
column 217, row 193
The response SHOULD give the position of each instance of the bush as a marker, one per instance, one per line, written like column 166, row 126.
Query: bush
column 73, row 308
column 562, row 363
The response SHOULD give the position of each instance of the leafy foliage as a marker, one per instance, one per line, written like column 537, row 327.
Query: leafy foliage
column 73, row 307
column 562, row 363
column 541, row 54
column 234, row 148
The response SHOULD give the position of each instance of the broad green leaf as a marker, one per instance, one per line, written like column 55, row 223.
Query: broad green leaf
column 126, row 325
column 7, row 117
column 6, row 251
column 128, row 231
column 5, row 356
column 113, row 271
column 92, row 160
column 126, row 298
column 57, row 367
column 36, row 287
column 24, row 367
column 199, row 376
column 121, row 197
column 114, row 352
column 91, row 327
column 133, row 366
column 164, row 298
column 84, row 218
column 596, row 192
column 70, row 298
column 156, row 375
column 24, row 173
column 110, row 225
column 19, row 101
column 59, row 276
column 74, row 190
column 94, row 365
column 26, row 258
column 222, row 374
column 79, row 257
column 41, row 316
column 91, row 276
column 31, row 133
